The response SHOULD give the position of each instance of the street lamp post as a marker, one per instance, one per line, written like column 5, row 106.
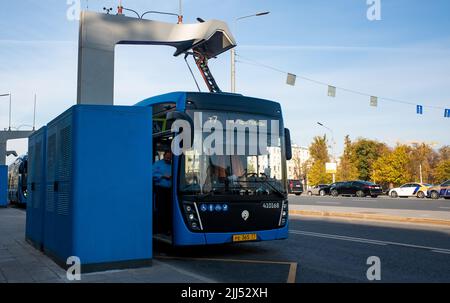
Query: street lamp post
column 333, row 146
column 10, row 96
column 233, row 50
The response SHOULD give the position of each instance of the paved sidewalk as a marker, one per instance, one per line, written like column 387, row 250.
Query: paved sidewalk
column 394, row 215
column 20, row 262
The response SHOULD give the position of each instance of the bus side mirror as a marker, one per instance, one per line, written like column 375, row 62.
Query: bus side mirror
column 287, row 140
column 177, row 115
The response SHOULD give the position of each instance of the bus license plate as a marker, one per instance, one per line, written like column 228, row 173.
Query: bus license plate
column 245, row 237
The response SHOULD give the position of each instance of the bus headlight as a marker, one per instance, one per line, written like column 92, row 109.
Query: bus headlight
column 192, row 216
column 284, row 213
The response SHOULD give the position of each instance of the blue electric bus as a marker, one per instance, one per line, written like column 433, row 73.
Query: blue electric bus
column 17, row 181
column 215, row 198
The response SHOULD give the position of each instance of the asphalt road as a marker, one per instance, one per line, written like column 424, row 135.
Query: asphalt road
column 318, row 250
column 324, row 250
column 380, row 202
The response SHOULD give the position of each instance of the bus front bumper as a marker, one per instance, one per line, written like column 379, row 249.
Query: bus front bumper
column 223, row 238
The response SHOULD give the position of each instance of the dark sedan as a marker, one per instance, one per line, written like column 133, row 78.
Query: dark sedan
column 356, row 188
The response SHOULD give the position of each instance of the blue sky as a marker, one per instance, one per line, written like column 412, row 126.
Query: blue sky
column 405, row 56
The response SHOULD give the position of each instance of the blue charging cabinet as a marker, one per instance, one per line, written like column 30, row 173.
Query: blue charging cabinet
column 98, row 198
column 34, row 231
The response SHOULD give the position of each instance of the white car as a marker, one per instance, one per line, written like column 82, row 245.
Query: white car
column 410, row 190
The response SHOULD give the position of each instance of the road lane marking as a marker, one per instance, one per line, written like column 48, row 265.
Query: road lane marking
column 369, row 241
column 441, row 252
column 292, row 265
column 444, row 207
column 333, row 203
column 292, row 273
column 335, row 237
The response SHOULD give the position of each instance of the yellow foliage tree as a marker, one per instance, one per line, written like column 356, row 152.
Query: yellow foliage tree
column 442, row 171
column 319, row 154
column 392, row 167
column 317, row 174
column 347, row 169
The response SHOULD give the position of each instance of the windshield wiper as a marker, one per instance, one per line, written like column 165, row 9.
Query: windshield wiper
column 276, row 190
column 266, row 182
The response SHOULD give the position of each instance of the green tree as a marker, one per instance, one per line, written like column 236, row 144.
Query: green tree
column 364, row 153
column 442, row 171
column 392, row 166
column 347, row 170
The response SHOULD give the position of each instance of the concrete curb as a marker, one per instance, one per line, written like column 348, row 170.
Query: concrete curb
column 375, row 217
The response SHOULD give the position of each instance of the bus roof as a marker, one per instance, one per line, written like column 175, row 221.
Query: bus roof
column 216, row 101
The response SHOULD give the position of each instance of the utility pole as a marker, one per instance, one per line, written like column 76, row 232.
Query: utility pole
column 233, row 50
column 420, row 173
column 34, row 113
column 6, row 95
column 233, row 70
column 333, row 146
column 180, row 12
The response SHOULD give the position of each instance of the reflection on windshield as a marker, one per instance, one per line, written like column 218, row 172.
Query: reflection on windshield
column 244, row 175
column 259, row 173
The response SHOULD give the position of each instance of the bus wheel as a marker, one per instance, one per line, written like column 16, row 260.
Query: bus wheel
column 420, row 195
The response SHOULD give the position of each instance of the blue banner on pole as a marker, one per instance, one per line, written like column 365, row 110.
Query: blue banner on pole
column 447, row 113
column 419, row 110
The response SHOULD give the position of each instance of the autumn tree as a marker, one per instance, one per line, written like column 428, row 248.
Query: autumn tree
column 364, row 154
column 319, row 149
column 347, row 170
column 444, row 153
column 442, row 171
column 297, row 166
column 317, row 174
column 392, row 166
column 306, row 166
column 422, row 156
column 319, row 154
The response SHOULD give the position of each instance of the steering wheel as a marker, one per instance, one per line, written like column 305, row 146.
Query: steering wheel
column 246, row 175
column 264, row 175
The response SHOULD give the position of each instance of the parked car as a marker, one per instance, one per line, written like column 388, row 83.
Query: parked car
column 319, row 190
column 443, row 190
column 295, row 187
column 356, row 188
column 419, row 190
column 386, row 191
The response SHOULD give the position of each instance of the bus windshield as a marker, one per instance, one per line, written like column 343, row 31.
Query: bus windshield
column 247, row 161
